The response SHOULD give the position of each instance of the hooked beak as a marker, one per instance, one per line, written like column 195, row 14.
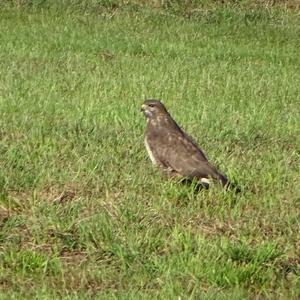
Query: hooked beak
column 143, row 108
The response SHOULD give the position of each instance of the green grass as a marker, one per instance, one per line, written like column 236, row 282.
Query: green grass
column 83, row 212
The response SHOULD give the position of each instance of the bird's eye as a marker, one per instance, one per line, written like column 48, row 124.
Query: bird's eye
column 151, row 105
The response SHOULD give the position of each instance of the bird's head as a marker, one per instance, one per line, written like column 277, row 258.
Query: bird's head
column 153, row 108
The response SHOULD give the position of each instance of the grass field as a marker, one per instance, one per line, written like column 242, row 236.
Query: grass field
column 83, row 212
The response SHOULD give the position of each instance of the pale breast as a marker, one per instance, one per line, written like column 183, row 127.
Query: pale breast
column 150, row 152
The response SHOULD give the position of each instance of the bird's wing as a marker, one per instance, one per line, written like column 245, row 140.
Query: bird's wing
column 179, row 153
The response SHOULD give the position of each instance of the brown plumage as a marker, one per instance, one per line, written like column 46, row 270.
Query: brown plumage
column 172, row 150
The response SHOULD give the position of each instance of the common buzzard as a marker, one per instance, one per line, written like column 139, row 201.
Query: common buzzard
column 173, row 151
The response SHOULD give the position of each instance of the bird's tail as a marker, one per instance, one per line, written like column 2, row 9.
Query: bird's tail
column 228, row 184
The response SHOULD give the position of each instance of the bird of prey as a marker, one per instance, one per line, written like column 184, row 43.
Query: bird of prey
column 173, row 151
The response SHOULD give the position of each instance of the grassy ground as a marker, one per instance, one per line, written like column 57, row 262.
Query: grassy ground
column 84, row 214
